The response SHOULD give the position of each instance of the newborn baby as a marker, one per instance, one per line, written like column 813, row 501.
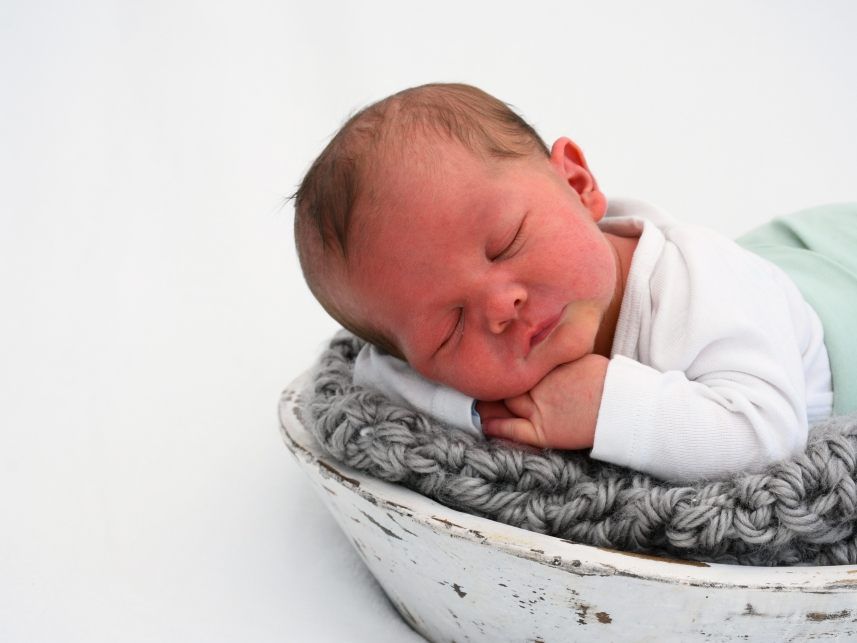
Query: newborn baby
column 482, row 265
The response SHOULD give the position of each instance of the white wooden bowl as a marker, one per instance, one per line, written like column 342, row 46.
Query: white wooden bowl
column 457, row 577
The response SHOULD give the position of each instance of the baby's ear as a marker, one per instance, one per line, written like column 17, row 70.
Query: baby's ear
column 568, row 161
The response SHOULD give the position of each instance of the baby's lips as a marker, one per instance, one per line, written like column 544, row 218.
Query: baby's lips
column 543, row 330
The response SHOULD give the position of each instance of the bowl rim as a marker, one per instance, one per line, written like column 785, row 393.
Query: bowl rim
column 556, row 552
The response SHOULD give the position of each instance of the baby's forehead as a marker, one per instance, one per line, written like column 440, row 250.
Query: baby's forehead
column 399, row 189
column 420, row 166
column 415, row 182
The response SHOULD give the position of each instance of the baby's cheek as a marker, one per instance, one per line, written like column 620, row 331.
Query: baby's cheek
column 481, row 381
column 490, row 373
column 503, row 383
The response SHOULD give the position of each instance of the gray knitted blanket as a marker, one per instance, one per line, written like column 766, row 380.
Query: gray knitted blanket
column 801, row 511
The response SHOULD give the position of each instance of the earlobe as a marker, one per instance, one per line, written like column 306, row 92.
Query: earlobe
column 596, row 203
column 568, row 161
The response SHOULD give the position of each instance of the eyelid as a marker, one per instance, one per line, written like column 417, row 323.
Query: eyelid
column 454, row 331
column 507, row 250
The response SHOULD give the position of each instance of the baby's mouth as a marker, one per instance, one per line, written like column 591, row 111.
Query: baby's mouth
column 544, row 329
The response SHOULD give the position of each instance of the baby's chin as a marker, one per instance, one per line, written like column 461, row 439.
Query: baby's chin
column 492, row 387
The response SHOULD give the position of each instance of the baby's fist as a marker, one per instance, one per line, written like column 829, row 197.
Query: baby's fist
column 560, row 412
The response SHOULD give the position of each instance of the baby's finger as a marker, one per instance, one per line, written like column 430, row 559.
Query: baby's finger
column 515, row 429
column 522, row 406
column 488, row 410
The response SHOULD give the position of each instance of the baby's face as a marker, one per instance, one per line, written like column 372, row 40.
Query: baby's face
column 489, row 274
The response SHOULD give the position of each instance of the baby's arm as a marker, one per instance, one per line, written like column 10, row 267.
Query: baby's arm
column 707, row 377
column 560, row 412
column 398, row 381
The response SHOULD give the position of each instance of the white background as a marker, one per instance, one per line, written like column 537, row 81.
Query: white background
column 152, row 307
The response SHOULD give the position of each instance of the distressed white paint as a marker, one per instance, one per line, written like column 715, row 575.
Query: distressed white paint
column 457, row 577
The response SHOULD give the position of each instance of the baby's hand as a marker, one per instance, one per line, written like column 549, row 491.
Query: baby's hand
column 560, row 412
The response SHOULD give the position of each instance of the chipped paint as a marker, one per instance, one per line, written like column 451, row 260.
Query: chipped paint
column 447, row 523
column 391, row 517
column 749, row 610
column 405, row 613
column 581, row 610
column 396, row 505
column 563, row 590
column 359, row 547
column 338, row 475
column 828, row 616
column 660, row 559
column 382, row 527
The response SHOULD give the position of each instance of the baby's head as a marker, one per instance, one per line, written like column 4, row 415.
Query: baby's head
column 437, row 225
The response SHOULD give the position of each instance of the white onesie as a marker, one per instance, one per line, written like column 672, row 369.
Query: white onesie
column 718, row 364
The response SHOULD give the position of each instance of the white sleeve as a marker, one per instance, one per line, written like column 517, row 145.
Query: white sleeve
column 708, row 380
column 398, row 381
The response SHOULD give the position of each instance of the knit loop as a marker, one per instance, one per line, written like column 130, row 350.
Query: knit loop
column 800, row 511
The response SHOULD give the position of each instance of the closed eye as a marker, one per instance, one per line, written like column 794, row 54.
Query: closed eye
column 457, row 329
column 512, row 247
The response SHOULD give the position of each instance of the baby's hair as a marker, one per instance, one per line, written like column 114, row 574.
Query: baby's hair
column 340, row 176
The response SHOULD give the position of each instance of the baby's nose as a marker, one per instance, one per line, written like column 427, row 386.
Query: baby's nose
column 504, row 307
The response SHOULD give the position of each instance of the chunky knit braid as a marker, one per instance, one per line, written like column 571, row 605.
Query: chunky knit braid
column 801, row 511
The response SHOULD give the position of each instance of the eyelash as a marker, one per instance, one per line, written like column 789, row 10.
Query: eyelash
column 459, row 324
column 511, row 245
